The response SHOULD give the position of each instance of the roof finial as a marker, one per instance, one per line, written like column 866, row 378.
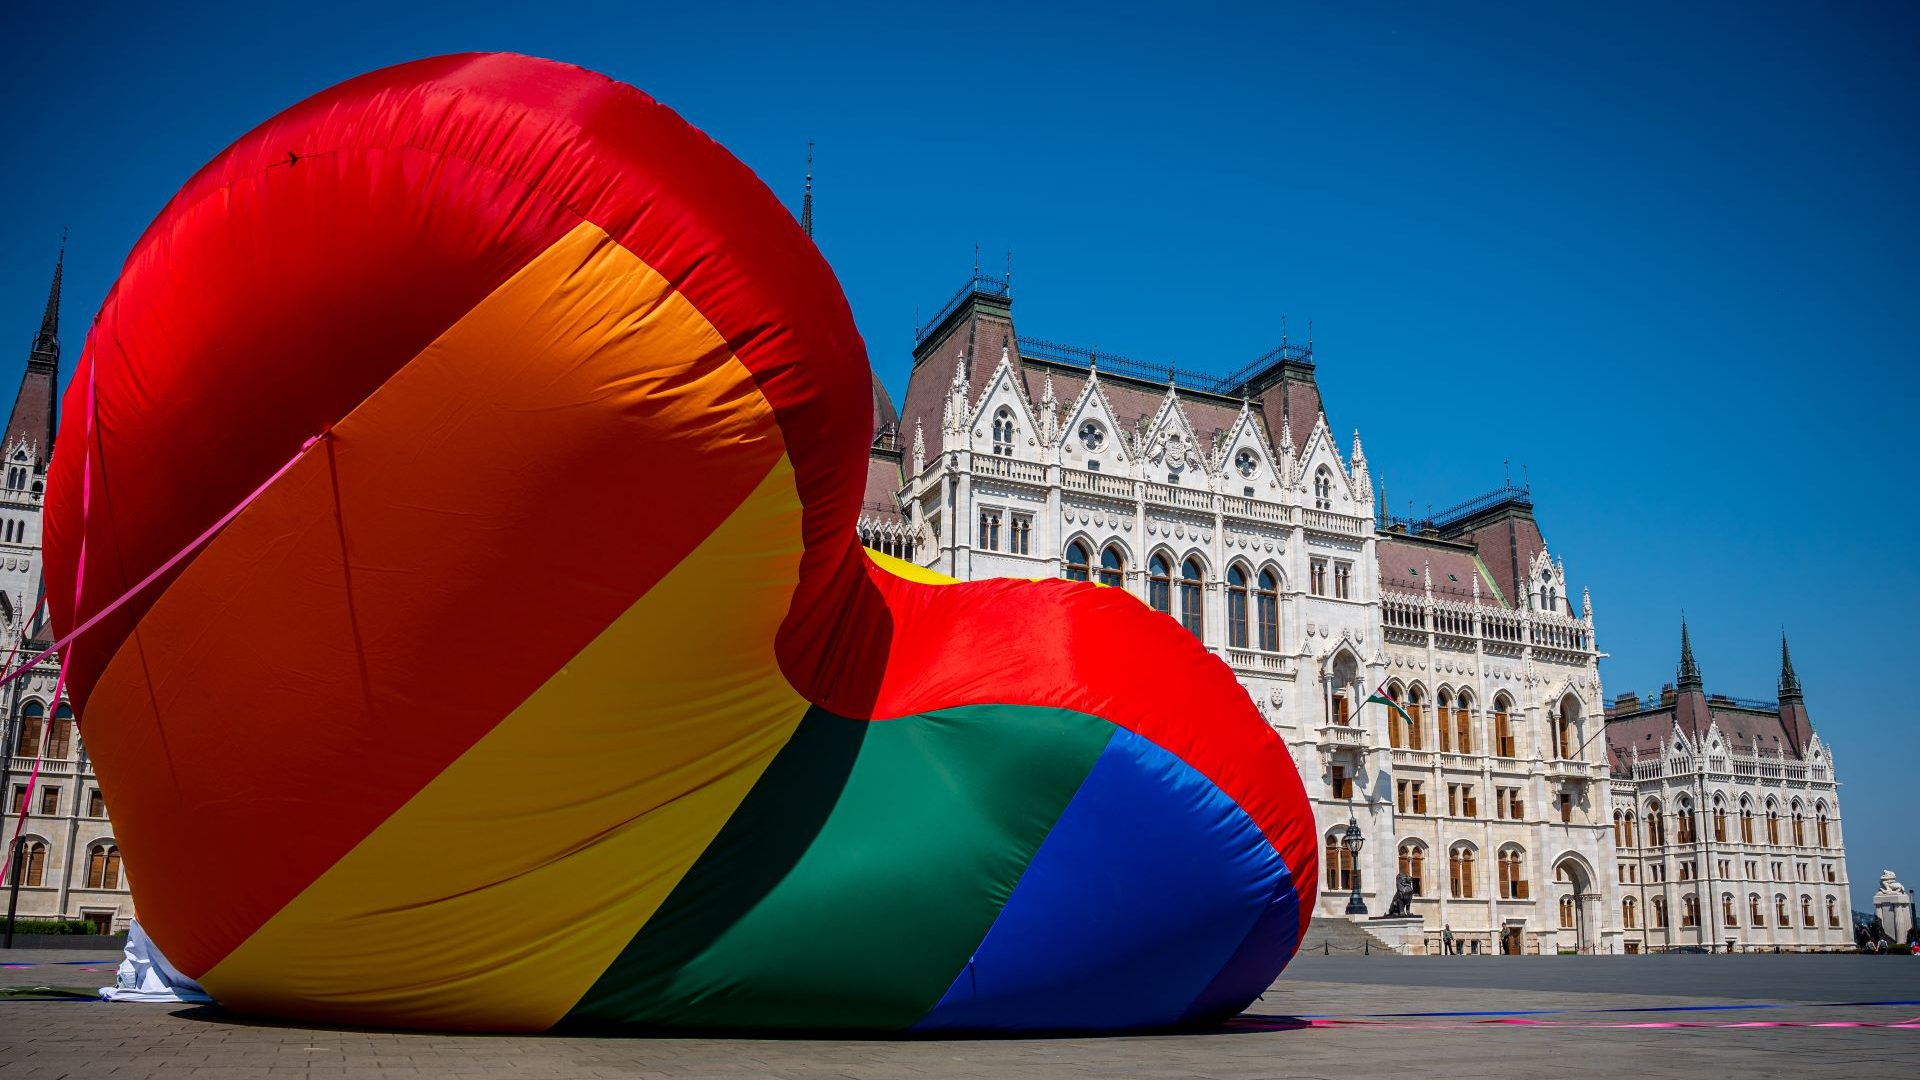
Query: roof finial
column 1309, row 337
column 1283, row 330
column 1689, row 671
column 46, row 344
column 976, row 258
column 806, row 200
column 1789, row 681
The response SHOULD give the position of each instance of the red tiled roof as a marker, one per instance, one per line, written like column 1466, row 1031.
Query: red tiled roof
column 1403, row 558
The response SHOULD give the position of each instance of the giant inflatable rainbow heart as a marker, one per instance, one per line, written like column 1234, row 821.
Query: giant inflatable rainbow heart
column 542, row 680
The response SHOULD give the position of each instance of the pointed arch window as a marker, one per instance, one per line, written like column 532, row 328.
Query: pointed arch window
column 1323, row 489
column 1160, row 585
column 1820, row 825
column 1460, row 872
column 1833, row 912
column 1566, row 912
column 1503, row 728
column 1267, row 610
column 1806, row 911
column 1719, row 820
column 1629, row 914
column 33, row 722
column 1513, row 879
column 33, row 863
column 1773, row 824
column 1780, row 910
column 1113, row 567
column 1463, row 723
column 1413, row 863
column 1659, row 911
column 1237, row 636
column 1416, row 721
column 1191, row 612
column 103, row 866
column 1443, row 716
column 1342, row 876
column 1683, row 822
column 1003, row 432
column 1729, row 914
column 1656, row 825
column 1799, row 827
column 1754, row 916
column 1077, row 568
column 1689, row 910
column 1746, row 822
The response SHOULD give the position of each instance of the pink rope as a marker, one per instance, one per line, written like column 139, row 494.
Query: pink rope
column 79, row 580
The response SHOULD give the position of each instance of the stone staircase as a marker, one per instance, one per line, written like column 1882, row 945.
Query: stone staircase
column 1336, row 935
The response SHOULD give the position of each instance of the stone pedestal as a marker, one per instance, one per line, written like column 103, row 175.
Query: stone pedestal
column 1894, row 905
column 1405, row 933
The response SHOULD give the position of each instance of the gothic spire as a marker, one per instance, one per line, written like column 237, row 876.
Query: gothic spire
column 1789, row 681
column 806, row 200
column 46, row 344
column 1689, row 671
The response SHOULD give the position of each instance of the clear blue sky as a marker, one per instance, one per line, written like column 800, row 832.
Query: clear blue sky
column 1664, row 255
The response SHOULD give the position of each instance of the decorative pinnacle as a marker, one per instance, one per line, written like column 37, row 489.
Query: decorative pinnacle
column 1789, row 681
column 806, row 200
column 46, row 344
column 1689, row 671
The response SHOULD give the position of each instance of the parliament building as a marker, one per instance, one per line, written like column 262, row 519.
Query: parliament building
column 1517, row 802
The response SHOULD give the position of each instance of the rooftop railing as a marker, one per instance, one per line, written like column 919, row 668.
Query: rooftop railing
column 981, row 284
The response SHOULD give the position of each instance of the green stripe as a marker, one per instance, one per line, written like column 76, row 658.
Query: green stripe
column 857, row 877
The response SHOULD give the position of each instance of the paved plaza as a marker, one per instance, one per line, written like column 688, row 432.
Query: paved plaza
column 1378, row 1018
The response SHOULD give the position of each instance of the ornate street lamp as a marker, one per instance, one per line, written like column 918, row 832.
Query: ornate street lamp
column 1352, row 841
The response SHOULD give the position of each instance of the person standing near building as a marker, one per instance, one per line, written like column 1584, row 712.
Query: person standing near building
column 1446, row 939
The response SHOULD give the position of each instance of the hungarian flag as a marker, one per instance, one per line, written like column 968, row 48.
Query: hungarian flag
column 1380, row 696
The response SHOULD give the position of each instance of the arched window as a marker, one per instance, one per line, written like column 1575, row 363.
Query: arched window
column 1463, row 723
column 1415, row 721
column 33, row 723
column 1003, row 430
column 1503, row 727
column 1237, row 636
column 1683, row 821
column 103, row 866
column 1443, row 718
column 1656, row 825
column 1780, row 910
column 1077, row 568
column 1746, row 820
column 1820, row 824
column 1622, row 829
column 1191, row 613
column 1566, row 912
column 1799, row 825
column 1727, row 913
column 1689, row 910
column 1460, row 872
column 1773, row 823
column 1413, row 862
column 1513, row 876
column 1564, row 723
column 1754, row 916
column 1833, row 912
column 1113, row 567
column 1659, row 908
column 1323, row 489
column 1719, row 820
column 33, row 863
column 1806, row 911
column 60, row 736
column 1160, row 584
column 1267, row 605
column 1341, row 874
column 1629, row 914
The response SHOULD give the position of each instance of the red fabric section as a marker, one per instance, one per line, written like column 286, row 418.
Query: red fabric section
column 904, row 648
column 326, row 247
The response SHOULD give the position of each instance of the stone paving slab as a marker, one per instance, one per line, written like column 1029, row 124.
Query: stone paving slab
column 1328, row 1017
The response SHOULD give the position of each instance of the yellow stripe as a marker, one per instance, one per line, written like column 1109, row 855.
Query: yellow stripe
column 901, row 568
column 497, row 895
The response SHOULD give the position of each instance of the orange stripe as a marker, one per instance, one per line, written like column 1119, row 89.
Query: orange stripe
column 480, row 519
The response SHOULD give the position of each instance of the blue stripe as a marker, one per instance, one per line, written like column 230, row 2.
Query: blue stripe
column 1145, row 892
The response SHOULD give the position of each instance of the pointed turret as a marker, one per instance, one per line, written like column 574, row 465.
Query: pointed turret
column 806, row 199
column 33, row 407
column 1689, row 671
column 1789, row 681
column 1793, row 704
